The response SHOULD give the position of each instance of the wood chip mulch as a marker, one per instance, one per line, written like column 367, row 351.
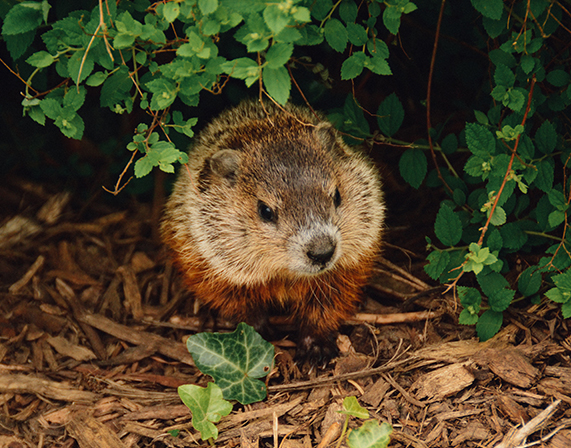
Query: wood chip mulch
column 92, row 326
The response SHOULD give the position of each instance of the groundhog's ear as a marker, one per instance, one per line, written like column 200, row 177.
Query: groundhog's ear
column 326, row 134
column 225, row 163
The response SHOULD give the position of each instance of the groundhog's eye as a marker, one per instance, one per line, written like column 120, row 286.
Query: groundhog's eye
column 265, row 212
column 337, row 198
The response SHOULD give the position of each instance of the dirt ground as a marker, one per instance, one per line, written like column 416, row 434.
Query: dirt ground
column 93, row 320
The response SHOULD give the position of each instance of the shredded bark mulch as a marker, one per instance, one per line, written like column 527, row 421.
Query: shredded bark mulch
column 93, row 320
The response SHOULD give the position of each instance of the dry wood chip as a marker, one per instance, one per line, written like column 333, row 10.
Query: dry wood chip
column 141, row 262
column 550, row 385
column 159, row 412
column 133, row 298
column 333, row 421
column 29, row 384
column 560, row 440
column 13, row 442
column 510, row 365
column 66, row 348
column 443, row 382
column 91, row 433
column 474, row 431
column 376, row 392
column 351, row 363
column 515, row 412
column 17, row 287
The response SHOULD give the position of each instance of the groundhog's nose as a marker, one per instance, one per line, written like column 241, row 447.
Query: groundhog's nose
column 321, row 250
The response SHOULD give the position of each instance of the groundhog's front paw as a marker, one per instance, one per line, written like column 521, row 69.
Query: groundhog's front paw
column 316, row 352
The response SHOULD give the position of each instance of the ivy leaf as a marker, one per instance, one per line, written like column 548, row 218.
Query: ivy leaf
column 352, row 407
column 390, row 115
column 413, row 166
column 336, row 35
column 448, row 227
column 207, row 407
column 370, row 434
column 234, row 360
column 277, row 82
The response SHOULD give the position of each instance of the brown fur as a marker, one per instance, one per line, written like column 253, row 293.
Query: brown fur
column 315, row 254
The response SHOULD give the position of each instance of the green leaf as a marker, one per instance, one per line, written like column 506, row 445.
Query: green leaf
column 164, row 93
column 449, row 144
column 495, row 287
column 437, row 262
column 527, row 63
column 278, row 55
column 17, row 44
column 353, row 65
column 558, row 200
column 378, row 65
column 23, row 17
column 489, row 324
column 529, row 281
column 77, row 64
column 390, row 115
column 207, row 6
column 275, row 17
column 558, row 78
column 74, row 98
column 470, row 299
column 413, row 166
column 234, row 360
column 480, row 141
column 207, row 407
column 370, row 435
column 513, row 235
column 348, row 11
column 96, row 79
column 336, row 35
column 357, row 34
column 546, row 137
column 277, row 82
column 448, row 227
column 41, row 59
column 116, row 88
column 171, row 10
column 503, row 76
column 545, row 175
column 242, row 68
column 352, row 407
column 499, row 217
column 555, row 218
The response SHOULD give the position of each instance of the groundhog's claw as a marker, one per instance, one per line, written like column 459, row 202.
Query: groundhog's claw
column 316, row 352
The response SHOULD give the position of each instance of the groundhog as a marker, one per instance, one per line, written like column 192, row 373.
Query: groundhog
column 275, row 212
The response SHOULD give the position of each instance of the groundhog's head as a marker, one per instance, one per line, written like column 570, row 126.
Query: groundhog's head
column 282, row 199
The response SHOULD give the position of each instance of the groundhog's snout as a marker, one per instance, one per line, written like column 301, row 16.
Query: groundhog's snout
column 320, row 250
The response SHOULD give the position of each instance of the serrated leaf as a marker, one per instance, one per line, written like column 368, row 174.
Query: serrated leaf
column 336, row 35
column 278, row 55
column 489, row 324
column 503, row 76
column 171, row 10
column 546, row 137
column 448, row 227
column 17, row 44
column 529, row 281
column 480, row 141
column 23, row 17
column 78, row 66
column 275, row 17
column 390, row 115
column 449, row 144
column 499, row 217
column 437, row 262
column 164, row 93
column 513, row 235
column 489, row 8
column 545, row 175
column 413, row 166
column 348, row 11
column 143, row 166
column 74, row 98
column 353, row 65
column 370, row 435
column 352, row 407
column 277, row 82
column 378, row 65
column 234, row 360
column 41, row 59
column 527, row 63
column 115, row 88
column 207, row 407
column 357, row 34
column 96, row 79
column 558, row 78
column 241, row 68
column 555, row 218
column 207, row 6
